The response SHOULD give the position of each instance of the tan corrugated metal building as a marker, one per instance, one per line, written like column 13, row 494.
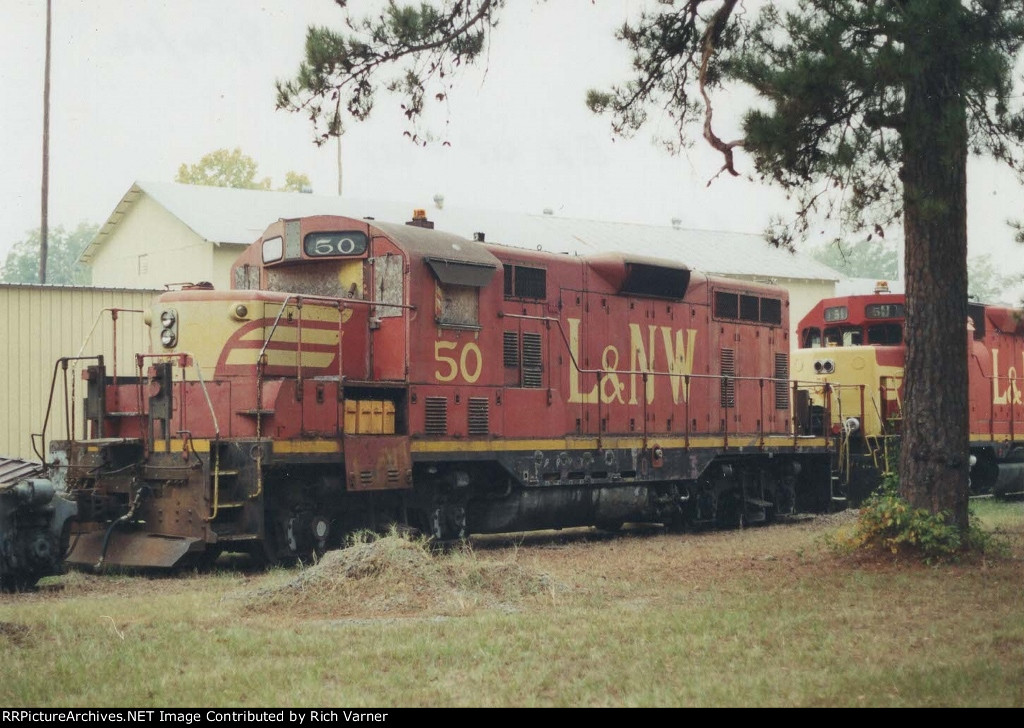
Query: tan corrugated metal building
column 38, row 325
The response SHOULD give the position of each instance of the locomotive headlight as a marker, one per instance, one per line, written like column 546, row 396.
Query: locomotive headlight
column 238, row 311
column 828, row 366
column 818, row 365
column 169, row 327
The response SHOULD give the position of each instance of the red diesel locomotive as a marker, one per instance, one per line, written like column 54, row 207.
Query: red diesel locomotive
column 853, row 346
column 361, row 373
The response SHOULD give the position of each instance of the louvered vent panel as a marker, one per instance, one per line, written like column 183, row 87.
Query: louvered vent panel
column 479, row 416
column 782, row 387
column 436, row 415
column 532, row 361
column 510, row 348
column 728, row 385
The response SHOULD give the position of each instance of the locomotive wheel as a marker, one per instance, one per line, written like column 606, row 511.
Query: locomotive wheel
column 448, row 522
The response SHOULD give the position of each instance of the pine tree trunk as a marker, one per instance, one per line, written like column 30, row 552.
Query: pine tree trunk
column 934, row 466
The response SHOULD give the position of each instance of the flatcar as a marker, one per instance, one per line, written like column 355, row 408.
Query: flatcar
column 854, row 347
column 360, row 373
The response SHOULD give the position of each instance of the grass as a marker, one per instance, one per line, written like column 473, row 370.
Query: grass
column 759, row 617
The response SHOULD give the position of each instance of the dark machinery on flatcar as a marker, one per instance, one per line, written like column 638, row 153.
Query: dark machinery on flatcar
column 853, row 346
column 35, row 520
column 362, row 373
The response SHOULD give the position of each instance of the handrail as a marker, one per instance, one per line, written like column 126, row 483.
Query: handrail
column 61, row 363
column 113, row 317
column 339, row 303
column 684, row 376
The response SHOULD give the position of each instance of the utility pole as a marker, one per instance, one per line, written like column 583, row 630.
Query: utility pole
column 44, row 222
column 339, row 165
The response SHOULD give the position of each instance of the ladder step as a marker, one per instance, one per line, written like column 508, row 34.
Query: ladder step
column 255, row 412
column 225, row 473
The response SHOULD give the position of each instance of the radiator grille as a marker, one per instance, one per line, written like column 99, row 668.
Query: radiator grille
column 532, row 361
column 782, row 387
column 479, row 416
column 436, row 409
column 728, row 372
column 510, row 348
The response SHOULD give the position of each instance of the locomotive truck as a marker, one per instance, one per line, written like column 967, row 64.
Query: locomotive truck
column 361, row 373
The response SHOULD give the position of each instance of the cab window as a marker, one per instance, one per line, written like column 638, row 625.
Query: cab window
column 844, row 336
column 885, row 334
column 811, row 338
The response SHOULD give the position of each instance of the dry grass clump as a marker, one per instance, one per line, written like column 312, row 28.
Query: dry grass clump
column 396, row 576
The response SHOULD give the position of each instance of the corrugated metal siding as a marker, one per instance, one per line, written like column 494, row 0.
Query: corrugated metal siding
column 38, row 325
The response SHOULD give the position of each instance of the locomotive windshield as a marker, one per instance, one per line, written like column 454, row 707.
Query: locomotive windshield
column 844, row 336
column 885, row 334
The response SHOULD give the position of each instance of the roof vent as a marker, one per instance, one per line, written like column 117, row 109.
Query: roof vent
column 677, row 223
column 419, row 219
column 478, row 237
column 548, row 211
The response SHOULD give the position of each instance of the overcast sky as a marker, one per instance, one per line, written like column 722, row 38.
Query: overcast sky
column 138, row 88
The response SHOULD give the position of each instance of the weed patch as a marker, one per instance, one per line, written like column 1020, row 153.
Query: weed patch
column 886, row 523
column 398, row 576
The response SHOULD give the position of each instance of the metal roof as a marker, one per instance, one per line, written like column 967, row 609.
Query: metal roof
column 13, row 469
column 227, row 216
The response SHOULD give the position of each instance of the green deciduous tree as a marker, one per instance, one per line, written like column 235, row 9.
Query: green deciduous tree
column 984, row 281
column 295, row 182
column 872, row 258
column 866, row 111
column 62, row 267
column 223, row 168
column 232, row 168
